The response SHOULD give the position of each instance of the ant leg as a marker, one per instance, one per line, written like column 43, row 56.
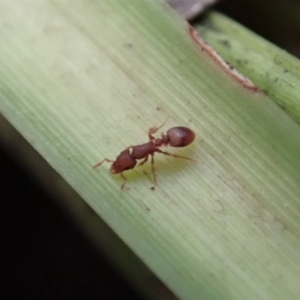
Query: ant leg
column 174, row 155
column 152, row 130
column 144, row 161
column 153, row 167
column 101, row 162
column 123, row 185
column 129, row 147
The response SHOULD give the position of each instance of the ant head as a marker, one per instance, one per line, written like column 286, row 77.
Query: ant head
column 123, row 162
column 180, row 136
column 114, row 168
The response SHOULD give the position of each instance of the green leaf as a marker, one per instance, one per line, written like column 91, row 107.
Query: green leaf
column 83, row 80
column 273, row 70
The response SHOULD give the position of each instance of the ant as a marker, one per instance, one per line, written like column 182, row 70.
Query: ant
column 127, row 159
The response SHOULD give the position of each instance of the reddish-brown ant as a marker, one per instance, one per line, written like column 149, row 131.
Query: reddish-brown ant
column 127, row 159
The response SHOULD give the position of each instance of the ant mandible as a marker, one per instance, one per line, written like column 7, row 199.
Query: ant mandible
column 127, row 159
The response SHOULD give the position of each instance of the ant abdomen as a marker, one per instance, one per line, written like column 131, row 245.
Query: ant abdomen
column 180, row 136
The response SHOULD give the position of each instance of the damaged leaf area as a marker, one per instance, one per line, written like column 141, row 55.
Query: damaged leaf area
column 221, row 62
column 273, row 70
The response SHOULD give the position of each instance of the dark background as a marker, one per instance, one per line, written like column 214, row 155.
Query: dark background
column 276, row 20
column 44, row 255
